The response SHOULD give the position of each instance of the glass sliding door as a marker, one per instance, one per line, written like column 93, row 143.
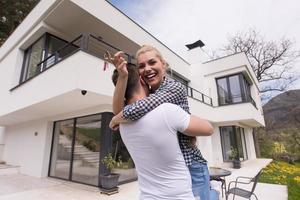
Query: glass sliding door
column 126, row 167
column 240, row 142
column 53, row 44
column 61, row 149
column 85, row 168
column 58, row 47
column 233, row 136
column 227, row 139
column 81, row 143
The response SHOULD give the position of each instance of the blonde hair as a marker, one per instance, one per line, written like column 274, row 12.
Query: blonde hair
column 145, row 48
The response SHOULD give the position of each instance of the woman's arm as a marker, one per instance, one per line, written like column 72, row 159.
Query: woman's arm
column 174, row 92
column 119, row 92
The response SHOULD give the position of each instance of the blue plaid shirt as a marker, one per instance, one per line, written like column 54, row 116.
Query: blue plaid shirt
column 170, row 91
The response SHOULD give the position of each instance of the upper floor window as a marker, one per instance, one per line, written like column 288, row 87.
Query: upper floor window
column 233, row 89
column 40, row 50
column 174, row 75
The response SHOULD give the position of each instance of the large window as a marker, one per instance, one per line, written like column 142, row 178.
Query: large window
column 233, row 137
column 81, row 143
column 233, row 89
column 39, row 51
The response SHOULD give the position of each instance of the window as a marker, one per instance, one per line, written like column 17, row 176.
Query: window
column 174, row 75
column 233, row 89
column 33, row 55
column 43, row 48
column 233, row 136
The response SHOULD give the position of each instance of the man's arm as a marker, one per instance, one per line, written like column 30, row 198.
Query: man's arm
column 199, row 127
column 172, row 93
column 181, row 121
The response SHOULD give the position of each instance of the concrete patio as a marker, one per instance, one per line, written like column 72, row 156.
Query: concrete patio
column 15, row 186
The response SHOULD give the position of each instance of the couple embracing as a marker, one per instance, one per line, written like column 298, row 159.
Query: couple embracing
column 158, row 131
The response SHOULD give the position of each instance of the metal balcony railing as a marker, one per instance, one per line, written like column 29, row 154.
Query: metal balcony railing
column 85, row 42
column 195, row 94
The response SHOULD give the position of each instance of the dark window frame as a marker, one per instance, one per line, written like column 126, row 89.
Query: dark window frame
column 45, row 49
column 245, row 95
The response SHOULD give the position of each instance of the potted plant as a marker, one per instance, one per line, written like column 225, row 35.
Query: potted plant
column 235, row 157
column 109, row 181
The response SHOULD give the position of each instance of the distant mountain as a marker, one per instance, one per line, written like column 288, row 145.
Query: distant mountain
column 283, row 111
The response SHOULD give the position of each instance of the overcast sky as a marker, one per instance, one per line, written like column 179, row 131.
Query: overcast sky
column 180, row 22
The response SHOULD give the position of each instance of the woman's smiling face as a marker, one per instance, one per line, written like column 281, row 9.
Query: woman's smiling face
column 151, row 68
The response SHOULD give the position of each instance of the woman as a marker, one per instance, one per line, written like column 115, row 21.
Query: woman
column 152, row 69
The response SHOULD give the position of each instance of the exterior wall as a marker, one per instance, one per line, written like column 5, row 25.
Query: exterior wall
column 250, row 143
column 216, row 148
column 205, row 146
column 2, row 142
column 25, row 149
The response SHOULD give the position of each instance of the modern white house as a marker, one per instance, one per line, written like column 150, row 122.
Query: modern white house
column 56, row 93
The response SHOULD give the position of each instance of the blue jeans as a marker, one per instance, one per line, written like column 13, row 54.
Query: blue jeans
column 200, row 180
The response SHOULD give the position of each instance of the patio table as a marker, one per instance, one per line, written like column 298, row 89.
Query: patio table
column 218, row 174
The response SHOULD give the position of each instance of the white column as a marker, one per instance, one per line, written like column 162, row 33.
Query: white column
column 2, row 129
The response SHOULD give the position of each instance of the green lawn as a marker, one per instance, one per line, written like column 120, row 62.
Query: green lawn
column 283, row 173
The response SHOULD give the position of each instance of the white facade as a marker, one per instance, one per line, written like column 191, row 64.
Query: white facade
column 29, row 109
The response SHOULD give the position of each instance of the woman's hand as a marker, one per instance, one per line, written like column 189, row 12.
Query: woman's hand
column 117, row 120
column 113, row 124
column 120, row 64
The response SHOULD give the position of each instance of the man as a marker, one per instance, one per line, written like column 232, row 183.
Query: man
column 153, row 144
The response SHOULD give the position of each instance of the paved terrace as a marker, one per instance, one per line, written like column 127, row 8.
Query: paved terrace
column 15, row 186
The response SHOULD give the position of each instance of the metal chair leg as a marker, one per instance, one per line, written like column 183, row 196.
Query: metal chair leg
column 255, row 196
column 226, row 195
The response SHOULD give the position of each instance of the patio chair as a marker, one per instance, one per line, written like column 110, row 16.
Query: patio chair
column 243, row 192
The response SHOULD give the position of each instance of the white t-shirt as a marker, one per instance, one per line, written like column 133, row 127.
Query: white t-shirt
column 153, row 145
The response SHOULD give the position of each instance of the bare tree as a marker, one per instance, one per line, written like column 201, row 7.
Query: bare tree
column 272, row 61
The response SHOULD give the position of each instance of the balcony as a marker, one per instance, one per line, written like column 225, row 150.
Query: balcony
column 86, row 42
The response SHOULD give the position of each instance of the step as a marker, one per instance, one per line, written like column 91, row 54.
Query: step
column 8, row 169
column 89, row 155
column 91, row 159
column 86, row 153
column 76, row 147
